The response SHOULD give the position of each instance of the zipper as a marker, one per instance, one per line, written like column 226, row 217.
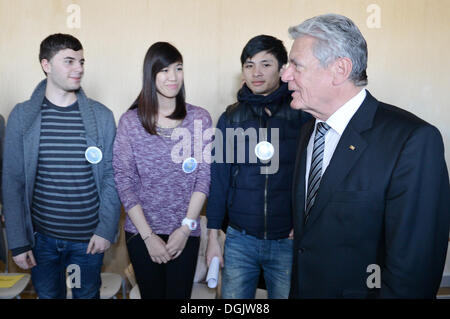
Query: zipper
column 265, row 206
column 233, row 183
column 265, row 124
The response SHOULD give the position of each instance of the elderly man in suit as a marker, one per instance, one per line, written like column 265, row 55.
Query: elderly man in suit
column 371, row 188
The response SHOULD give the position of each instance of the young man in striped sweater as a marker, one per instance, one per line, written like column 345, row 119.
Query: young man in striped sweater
column 60, row 203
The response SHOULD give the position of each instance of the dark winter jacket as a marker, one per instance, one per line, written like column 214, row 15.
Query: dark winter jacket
column 256, row 201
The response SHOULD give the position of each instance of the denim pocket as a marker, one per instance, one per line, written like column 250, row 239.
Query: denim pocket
column 232, row 233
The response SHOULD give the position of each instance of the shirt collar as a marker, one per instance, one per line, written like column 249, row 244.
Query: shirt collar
column 338, row 121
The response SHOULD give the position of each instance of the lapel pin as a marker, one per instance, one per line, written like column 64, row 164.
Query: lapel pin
column 352, row 147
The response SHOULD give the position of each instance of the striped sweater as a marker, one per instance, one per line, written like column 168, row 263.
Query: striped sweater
column 65, row 200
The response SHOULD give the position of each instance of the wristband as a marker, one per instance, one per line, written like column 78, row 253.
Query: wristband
column 191, row 223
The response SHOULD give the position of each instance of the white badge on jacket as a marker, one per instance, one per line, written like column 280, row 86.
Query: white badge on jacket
column 93, row 155
column 264, row 150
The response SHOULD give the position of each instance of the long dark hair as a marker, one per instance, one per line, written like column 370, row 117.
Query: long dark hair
column 159, row 56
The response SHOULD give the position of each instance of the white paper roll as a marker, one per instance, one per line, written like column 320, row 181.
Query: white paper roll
column 213, row 273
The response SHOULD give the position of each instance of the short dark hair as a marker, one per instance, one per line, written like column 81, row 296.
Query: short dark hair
column 265, row 43
column 54, row 43
column 159, row 56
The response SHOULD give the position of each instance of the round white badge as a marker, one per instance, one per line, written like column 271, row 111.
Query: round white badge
column 189, row 165
column 93, row 155
column 264, row 150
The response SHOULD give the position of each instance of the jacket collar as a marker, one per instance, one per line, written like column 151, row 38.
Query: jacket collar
column 86, row 110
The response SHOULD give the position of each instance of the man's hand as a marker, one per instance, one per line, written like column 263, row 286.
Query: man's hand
column 177, row 241
column 25, row 260
column 97, row 245
column 213, row 248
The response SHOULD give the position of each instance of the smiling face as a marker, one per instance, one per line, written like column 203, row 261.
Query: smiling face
column 65, row 70
column 311, row 82
column 261, row 73
column 170, row 80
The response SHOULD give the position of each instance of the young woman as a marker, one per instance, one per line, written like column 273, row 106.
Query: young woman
column 162, row 190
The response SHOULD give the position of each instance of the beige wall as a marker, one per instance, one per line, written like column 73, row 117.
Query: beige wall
column 408, row 55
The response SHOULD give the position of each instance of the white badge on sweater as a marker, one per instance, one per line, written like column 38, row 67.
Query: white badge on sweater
column 189, row 165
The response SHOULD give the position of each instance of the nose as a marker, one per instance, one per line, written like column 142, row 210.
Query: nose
column 287, row 73
column 257, row 71
column 79, row 67
column 172, row 75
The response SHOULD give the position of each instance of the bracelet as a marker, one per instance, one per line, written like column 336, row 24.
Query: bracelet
column 187, row 234
column 144, row 239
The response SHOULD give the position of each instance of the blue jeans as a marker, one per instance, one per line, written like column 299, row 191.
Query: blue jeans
column 246, row 255
column 53, row 256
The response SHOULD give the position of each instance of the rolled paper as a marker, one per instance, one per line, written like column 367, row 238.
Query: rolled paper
column 213, row 273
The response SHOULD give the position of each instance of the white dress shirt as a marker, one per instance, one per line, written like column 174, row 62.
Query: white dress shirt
column 338, row 121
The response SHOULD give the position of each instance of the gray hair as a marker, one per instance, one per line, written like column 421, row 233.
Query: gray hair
column 336, row 36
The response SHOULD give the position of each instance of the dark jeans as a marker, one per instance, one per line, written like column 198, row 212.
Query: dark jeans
column 163, row 281
column 53, row 256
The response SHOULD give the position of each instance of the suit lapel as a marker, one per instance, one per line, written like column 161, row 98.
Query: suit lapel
column 349, row 149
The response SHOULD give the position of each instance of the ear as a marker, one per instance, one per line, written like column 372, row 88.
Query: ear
column 46, row 67
column 342, row 68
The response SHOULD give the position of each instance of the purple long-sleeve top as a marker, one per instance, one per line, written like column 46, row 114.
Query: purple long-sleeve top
column 148, row 169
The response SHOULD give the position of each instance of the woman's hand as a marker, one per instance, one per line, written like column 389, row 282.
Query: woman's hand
column 156, row 248
column 177, row 241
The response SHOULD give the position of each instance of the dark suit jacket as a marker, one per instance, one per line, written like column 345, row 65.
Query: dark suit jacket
column 387, row 202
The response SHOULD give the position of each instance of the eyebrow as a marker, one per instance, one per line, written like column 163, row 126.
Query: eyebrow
column 262, row 61
column 71, row 58
column 296, row 63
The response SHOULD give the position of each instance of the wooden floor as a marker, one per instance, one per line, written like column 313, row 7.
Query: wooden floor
column 444, row 293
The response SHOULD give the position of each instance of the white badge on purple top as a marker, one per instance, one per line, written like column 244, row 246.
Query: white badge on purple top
column 189, row 165
column 264, row 150
column 93, row 155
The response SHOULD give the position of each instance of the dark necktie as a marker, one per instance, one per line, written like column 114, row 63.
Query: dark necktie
column 315, row 171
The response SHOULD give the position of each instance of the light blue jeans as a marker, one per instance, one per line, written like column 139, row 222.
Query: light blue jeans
column 246, row 255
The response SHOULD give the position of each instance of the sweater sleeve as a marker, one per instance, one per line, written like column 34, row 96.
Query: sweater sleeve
column 14, row 182
column 109, row 210
column 124, row 164
column 220, row 177
column 203, row 177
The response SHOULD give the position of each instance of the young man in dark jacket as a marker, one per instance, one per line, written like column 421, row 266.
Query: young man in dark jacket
column 252, row 182
column 60, row 202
